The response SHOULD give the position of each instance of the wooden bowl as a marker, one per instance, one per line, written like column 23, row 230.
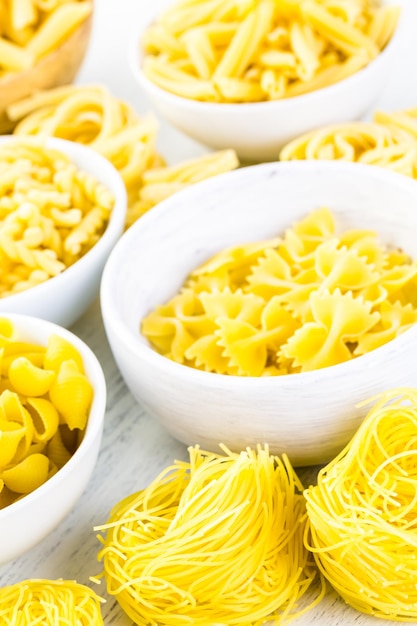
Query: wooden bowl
column 59, row 67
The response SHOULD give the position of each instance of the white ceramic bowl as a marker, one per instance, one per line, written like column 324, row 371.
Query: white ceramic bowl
column 311, row 415
column 26, row 522
column 65, row 297
column 258, row 131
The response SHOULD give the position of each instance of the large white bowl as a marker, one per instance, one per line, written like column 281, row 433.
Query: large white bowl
column 26, row 522
column 258, row 131
column 65, row 297
column 310, row 416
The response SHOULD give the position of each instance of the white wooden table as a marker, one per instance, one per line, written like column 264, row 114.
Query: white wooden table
column 134, row 447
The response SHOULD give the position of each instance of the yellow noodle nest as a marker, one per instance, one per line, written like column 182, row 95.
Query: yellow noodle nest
column 45, row 398
column 49, row 602
column 389, row 141
column 308, row 300
column 363, row 512
column 51, row 213
column 90, row 115
column 215, row 540
column 30, row 29
column 254, row 50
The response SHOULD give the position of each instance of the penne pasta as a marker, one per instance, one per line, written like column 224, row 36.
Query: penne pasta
column 307, row 43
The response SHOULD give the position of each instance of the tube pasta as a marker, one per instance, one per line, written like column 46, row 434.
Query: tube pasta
column 30, row 29
column 51, row 214
column 309, row 45
column 92, row 116
column 44, row 394
column 37, row 601
column 362, row 512
column 169, row 550
column 308, row 300
column 389, row 141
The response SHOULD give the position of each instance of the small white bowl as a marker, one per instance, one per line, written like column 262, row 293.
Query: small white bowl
column 65, row 297
column 26, row 522
column 311, row 415
column 258, row 131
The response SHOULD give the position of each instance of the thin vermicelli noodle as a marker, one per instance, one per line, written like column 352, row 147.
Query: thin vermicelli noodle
column 218, row 539
column 49, row 602
column 362, row 513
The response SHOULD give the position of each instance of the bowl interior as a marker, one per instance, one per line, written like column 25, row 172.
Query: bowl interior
column 152, row 259
column 77, row 285
column 136, row 56
column 49, row 504
column 38, row 331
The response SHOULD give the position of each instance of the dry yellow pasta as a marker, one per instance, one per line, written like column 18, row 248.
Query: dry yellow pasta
column 45, row 398
column 51, row 213
column 311, row 299
column 228, row 51
column 92, row 116
column 362, row 512
column 389, row 141
column 30, row 29
column 49, row 602
column 215, row 540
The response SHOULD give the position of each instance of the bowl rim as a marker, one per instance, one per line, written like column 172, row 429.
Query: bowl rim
column 111, row 179
column 96, row 416
column 135, row 58
column 132, row 343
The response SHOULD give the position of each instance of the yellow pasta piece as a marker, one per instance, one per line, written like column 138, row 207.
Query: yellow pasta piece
column 210, row 516
column 50, row 602
column 59, row 24
column 28, row 379
column 71, row 393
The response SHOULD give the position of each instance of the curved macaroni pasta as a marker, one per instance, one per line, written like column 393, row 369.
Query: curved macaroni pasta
column 50, row 602
column 92, row 116
column 45, row 398
column 228, row 51
column 46, row 224
column 169, row 550
column 310, row 300
column 362, row 512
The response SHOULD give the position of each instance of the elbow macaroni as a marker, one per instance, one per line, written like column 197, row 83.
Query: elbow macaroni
column 92, row 116
column 230, row 51
column 45, row 398
column 51, row 214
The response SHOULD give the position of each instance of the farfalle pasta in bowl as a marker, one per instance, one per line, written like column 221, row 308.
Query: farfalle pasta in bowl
column 62, row 208
column 253, row 75
column 263, row 306
column 52, row 405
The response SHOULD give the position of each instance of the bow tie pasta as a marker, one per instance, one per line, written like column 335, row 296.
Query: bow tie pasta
column 311, row 299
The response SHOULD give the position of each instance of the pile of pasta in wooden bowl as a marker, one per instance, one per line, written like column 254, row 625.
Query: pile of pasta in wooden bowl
column 254, row 75
column 42, row 45
column 264, row 305
column 62, row 209
column 52, row 406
